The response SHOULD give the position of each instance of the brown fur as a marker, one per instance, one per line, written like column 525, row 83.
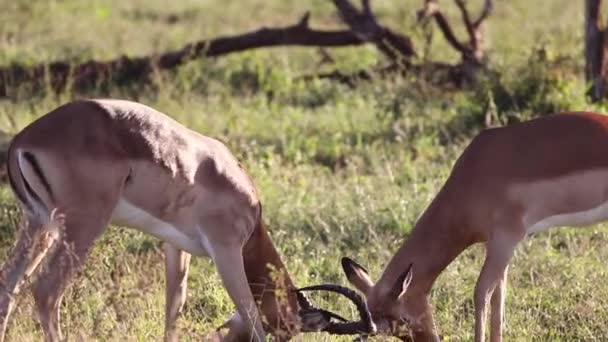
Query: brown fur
column 268, row 276
column 103, row 161
column 490, row 195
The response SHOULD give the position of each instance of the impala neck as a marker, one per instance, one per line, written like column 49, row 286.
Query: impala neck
column 437, row 239
column 270, row 284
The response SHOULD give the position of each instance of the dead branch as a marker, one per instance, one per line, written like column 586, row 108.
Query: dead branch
column 363, row 28
column 431, row 9
column 471, row 49
column 363, row 23
column 326, row 57
column 485, row 12
column 466, row 18
column 61, row 74
column 298, row 34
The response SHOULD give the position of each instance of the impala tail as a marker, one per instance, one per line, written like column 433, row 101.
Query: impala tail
column 38, row 231
column 29, row 184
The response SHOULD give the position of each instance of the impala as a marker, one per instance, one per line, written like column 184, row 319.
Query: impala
column 90, row 163
column 508, row 183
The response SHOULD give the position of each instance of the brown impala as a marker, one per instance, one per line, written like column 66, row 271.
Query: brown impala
column 508, row 183
column 93, row 162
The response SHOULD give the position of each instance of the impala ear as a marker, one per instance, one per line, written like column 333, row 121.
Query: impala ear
column 402, row 284
column 357, row 275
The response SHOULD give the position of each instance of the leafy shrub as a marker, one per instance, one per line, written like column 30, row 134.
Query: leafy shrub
column 540, row 86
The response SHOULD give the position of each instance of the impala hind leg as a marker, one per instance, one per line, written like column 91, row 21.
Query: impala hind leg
column 499, row 251
column 177, row 263
column 81, row 231
column 33, row 243
column 246, row 324
column 497, row 304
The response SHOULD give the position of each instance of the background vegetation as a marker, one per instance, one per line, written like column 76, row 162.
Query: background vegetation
column 341, row 170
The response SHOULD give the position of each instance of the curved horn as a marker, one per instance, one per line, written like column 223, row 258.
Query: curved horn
column 308, row 311
column 303, row 301
column 349, row 328
column 364, row 325
column 307, row 305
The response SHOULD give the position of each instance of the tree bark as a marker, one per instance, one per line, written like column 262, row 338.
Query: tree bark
column 596, row 51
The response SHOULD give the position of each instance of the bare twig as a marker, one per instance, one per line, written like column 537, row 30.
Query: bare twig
column 362, row 23
column 431, row 9
column 485, row 12
column 471, row 50
column 466, row 18
column 326, row 57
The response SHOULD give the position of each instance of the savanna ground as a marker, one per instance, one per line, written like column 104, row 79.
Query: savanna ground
column 341, row 171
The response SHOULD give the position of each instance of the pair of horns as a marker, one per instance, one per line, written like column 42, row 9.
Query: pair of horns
column 364, row 326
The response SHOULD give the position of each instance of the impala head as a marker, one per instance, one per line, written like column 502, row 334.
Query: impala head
column 317, row 319
column 386, row 303
column 381, row 311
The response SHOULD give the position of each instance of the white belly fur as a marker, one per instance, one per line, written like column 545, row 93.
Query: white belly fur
column 581, row 218
column 588, row 186
column 126, row 214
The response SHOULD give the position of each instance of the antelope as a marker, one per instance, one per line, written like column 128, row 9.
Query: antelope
column 508, row 183
column 94, row 162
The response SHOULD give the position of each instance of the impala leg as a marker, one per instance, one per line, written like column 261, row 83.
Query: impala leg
column 34, row 242
column 81, row 231
column 246, row 324
column 497, row 304
column 177, row 263
column 499, row 251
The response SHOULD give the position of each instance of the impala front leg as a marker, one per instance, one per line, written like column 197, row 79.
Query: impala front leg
column 246, row 324
column 177, row 263
column 497, row 305
column 499, row 251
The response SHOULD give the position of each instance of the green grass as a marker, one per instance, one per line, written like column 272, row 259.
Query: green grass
column 341, row 171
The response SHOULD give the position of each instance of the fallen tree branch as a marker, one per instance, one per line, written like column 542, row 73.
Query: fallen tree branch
column 363, row 28
column 298, row 34
column 61, row 74
column 397, row 47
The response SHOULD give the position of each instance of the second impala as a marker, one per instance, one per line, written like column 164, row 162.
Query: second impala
column 509, row 182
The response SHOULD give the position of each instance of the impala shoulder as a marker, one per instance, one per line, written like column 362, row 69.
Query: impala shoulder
column 219, row 170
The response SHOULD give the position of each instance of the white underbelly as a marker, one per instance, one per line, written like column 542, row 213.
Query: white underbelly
column 575, row 219
column 585, row 192
column 126, row 214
